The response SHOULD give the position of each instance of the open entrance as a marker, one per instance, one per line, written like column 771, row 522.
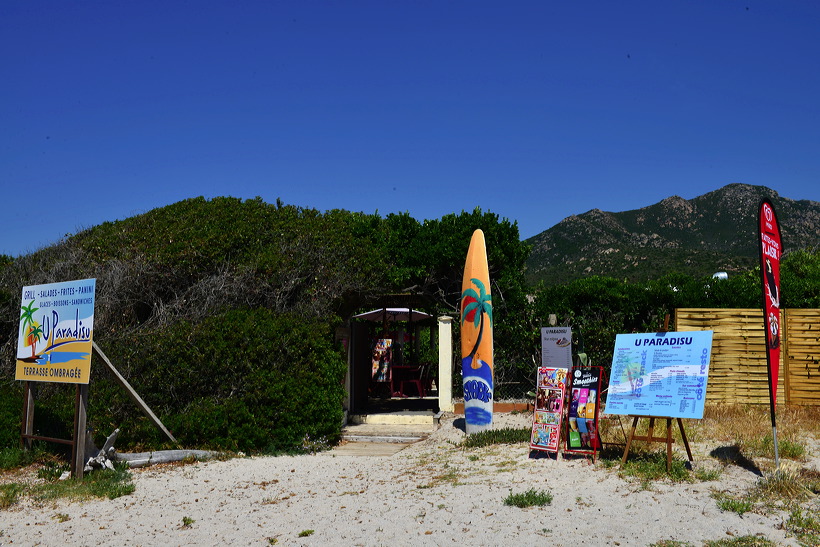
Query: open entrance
column 393, row 362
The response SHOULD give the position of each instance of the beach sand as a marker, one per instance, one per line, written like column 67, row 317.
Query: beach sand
column 432, row 492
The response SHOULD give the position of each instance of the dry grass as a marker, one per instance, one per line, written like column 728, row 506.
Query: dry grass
column 749, row 428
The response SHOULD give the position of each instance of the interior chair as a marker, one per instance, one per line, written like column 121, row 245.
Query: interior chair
column 417, row 381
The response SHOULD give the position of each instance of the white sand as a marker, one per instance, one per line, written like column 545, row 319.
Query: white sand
column 430, row 493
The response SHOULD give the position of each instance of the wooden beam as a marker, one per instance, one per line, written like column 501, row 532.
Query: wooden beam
column 132, row 393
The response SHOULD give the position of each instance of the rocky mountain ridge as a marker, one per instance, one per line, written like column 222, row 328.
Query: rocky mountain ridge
column 713, row 232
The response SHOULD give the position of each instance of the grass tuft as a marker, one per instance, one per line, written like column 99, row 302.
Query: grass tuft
column 530, row 498
column 805, row 525
column 506, row 435
column 99, row 484
column 10, row 493
column 734, row 505
column 651, row 466
column 742, row 541
column 785, row 484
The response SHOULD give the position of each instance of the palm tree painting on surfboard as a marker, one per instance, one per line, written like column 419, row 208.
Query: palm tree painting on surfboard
column 477, row 337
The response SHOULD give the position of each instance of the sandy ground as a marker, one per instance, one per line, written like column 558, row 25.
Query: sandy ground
column 429, row 493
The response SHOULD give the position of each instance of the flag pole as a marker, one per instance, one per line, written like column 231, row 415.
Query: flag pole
column 771, row 249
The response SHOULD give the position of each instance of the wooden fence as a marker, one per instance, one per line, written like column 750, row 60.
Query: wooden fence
column 737, row 372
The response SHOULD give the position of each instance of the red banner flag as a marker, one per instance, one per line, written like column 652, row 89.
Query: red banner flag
column 771, row 250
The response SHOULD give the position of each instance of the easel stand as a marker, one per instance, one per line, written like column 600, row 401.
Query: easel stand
column 650, row 437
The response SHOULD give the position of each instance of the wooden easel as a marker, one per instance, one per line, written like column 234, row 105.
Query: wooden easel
column 650, row 437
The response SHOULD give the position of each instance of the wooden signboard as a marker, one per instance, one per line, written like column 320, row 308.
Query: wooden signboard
column 55, row 332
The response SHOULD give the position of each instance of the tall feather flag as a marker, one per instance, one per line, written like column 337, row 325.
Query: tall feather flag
column 771, row 249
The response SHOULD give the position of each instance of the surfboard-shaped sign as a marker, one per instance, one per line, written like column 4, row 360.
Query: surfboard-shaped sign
column 477, row 337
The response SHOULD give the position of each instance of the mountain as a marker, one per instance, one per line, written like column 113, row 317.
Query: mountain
column 713, row 232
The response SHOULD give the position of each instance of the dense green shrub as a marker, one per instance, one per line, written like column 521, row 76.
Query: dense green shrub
column 241, row 380
column 599, row 308
column 11, row 405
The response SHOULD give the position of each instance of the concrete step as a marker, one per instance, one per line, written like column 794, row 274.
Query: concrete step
column 369, row 449
column 388, row 432
column 407, row 417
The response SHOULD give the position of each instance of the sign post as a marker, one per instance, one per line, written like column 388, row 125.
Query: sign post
column 54, row 345
column 660, row 375
column 771, row 250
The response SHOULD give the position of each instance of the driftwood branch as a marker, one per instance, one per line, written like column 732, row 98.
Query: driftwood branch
column 102, row 458
column 105, row 457
column 143, row 459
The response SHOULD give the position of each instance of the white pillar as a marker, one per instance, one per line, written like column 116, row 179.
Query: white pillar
column 445, row 364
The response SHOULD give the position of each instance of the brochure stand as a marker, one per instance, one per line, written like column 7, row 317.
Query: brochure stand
column 650, row 437
column 549, row 409
column 583, row 435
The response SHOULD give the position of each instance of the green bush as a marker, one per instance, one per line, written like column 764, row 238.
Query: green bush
column 241, row 380
column 530, row 498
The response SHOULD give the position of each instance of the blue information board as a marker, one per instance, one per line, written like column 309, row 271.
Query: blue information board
column 660, row 374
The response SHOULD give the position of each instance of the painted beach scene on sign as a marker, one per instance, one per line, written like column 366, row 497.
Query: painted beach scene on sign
column 477, row 337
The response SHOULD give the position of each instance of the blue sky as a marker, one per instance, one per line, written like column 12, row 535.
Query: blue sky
column 532, row 110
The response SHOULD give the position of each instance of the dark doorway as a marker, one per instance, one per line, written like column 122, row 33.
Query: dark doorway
column 369, row 397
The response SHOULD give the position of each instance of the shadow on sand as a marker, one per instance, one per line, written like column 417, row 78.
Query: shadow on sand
column 732, row 454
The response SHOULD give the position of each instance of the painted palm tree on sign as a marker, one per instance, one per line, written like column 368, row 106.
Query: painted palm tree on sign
column 474, row 306
column 28, row 325
column 33, row 336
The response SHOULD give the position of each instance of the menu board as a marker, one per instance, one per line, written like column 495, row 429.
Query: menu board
column 556, row 347
column 549, row 407
column 585, row 391
column 660, row 374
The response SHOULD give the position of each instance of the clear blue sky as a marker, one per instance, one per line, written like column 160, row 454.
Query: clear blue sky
column 532, row 110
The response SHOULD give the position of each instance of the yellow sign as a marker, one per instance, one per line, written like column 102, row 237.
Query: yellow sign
column 54, row 332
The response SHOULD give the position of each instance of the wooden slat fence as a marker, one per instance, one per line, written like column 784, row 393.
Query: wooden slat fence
column 737, row 372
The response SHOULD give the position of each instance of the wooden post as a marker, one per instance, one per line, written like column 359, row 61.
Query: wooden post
column 132, row 392
column 28, row 415
column 80, row 422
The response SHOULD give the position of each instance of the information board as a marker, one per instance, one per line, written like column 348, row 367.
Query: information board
column 556, row 347
column 660, row 374
column 549, row 408
column 54, row 332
